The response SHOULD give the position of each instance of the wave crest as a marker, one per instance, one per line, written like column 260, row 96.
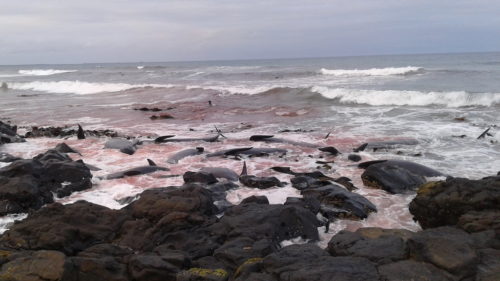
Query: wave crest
column 388, row 71
column 409, row 98
column 43, row 72
column 79, row 87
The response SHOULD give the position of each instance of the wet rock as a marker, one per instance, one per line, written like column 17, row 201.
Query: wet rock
column 337, row 202
column 151, row 267
column 7, row 129
column 28, row 184
column 310, row 203
column 100, row 262
column 236, row 251
column 448, row 248
column 199, row 177
column 476, row 221
column 35, row 267
column 489, row 266
column 345, row 182
column 51, row 132
column 64, row 148
column 276, row 222
column 397, row 176
column 123, row 145
column 330, row 149
column 410, row 270
column 7, row 158
column 309, row 262
column 445, row 202
column 260, row 182
column 376, row 244
column 256, row 200
column 66, row 228
column 354, row 157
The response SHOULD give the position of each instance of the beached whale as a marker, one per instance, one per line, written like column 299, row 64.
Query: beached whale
column 123, row 145
column 170, row 138
column 250, row 151
column 174, row 159
column 221, row 173
column 385, row 144
column 271, row 138
column 396, row 176
column 136, row 171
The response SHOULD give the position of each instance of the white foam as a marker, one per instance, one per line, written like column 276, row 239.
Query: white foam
column 294, row 241
column 140, row 67
column 388, row 71
column 8, row 220
column 43, row 72
column 80, row 87
column 242, row 90
column 412, row 98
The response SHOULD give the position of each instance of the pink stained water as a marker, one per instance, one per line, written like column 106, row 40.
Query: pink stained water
column 196, row 119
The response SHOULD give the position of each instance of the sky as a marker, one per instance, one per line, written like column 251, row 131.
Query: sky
column 67, row 31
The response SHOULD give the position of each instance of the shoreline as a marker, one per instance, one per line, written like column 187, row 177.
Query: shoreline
column 208, row 228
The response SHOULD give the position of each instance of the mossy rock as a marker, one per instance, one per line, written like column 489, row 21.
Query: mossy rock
column 250, row 265
column 429, row 187
column 203, row 274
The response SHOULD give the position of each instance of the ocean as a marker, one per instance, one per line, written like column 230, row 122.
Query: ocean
column 441, row 101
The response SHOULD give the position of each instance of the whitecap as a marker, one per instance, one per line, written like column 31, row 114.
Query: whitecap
column 43, row 72
column 388, row 71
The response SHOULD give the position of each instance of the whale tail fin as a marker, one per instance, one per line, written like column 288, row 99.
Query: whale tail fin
column 151, row 162
column 80, row 134
column 244, row 171
column 219, row 132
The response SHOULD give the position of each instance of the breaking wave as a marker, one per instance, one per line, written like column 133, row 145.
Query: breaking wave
column 389, row 71
column 79, row 87
column 43, row 72
column 409, row 98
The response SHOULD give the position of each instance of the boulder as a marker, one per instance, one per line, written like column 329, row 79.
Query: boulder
column 354, row 157
column 337, row 202
column 305, row 182
column 309, row 262
column 39, row 266
column 256, row 199
column 409, row 270
column 397, row 176
column 7, row 158
column 8, row 134
column 151, row 267
column 203, row 274
column 64, row 148
column 376, row 244
column 489, row 266
column 447, row 248
column 445, row 202
column 67, row 228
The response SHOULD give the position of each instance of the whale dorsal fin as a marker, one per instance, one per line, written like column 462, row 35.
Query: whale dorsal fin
column 151, row 162
column 80, row 134
column 244, row 171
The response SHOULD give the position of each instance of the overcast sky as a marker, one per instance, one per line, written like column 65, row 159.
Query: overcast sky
column 66, row 31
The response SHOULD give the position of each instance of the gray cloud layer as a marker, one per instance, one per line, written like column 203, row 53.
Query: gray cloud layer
column 66, row 31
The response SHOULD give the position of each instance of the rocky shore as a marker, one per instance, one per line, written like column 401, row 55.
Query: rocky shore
column 191, row 232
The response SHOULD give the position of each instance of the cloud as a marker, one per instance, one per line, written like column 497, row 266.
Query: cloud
column 53, row 31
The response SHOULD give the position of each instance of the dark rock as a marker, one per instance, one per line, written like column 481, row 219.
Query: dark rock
column 37, row 132
column 276, row 222
column 310, row 203
column 445, row 202
column 309, row 262
column 151, row 267
column 397, row 176
column 236, row 251
column 101, row 262
column 476, row 221
column 448, row 248
column 64, row 148
column 199, row 177
column 337, row 202
column 489, row 266
column 260, row 182
column 376, row 244
column 66, row 228
column 7, row 158
column 354, row 157
column 410, row 270
column 35, row 267
column 161, row 116
column 7, row 129
column 345, row 182
column 256, row 199
column 28, row 184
